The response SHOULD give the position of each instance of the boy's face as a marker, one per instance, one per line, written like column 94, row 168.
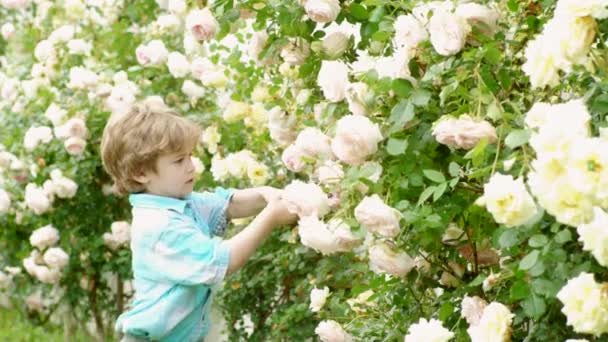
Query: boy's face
column 174, row 176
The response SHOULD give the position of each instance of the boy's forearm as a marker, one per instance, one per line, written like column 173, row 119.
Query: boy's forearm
column 243, row 245
column 245, row 203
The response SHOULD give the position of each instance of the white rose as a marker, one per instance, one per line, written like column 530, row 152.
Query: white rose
column 345, row 238
column 193, row 90
column 258, row 173
column 81, row 78
column 305, row 199
column 594, row 236
column 384, row 260
column 508, row 200
column 325, row 238
column 44, row 237
column 330, row 172
column 448, row 32
column 210, row 138
column 167, row 23
column 322, row 11
column 377, row 217
column 177, row 6
column 333, row 80
column 313, row 142
column 48, row 275
column 75, row 127
column 79, row 47
column 202, row 24
column 257, row 44
column 75, row 145
column 335, row 43
column 572, row 38
column 56, row 257
column 428, row 331
column 585, row 304
column 63, row 187
column 472, row 309
column 542, row 62
column 199, row 167
column 280, row 125
column 236, row 111
column 44, row 50
column 36, row 136
column 494, row 325
column 178, row 65
column 357, row 95
column 7, row 31
column 331, row 331
column 62, row 34
column 15, row 4
column 539, row 115
column 318, row 298
column 409, row 31
column 422, row 11
column 295, row 51
column 5, row 201
column 356, row 139
column 34, row 302
column 483, row 16
column 153, row 53
column 463, row 132
column 119, row 237
column 574, row 8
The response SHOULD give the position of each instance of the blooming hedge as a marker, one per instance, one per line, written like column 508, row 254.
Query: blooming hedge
column 447, row 160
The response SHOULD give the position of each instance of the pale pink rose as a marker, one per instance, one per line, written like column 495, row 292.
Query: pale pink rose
column 48, row 275
column 292, row 158
column 305, row 199
column 34, row 302
column 409, row 31
column 62, row 186
column 120, row 236
column 313, row 142
column 7, row 30
column 330, row 172
column 322, row 11
column 36, row 199
column 448, row 32
column 75, row 146
column 484, row 16
column 202, row 24
column 15, row 4
column 315, row 234
column 377, row 217
column 153, row 53
column 56, row 257
column 331, row 331
column 295, row 51
column 357, row 96
column 356, row 139
column 463, row 132
column 75, row 127
column 333, row 80
column 472, row 309
column 382, row 259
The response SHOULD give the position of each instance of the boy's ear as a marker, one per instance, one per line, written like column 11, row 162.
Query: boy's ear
column 141, row 177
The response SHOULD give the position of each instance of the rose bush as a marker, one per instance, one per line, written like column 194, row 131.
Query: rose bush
column 447, row 160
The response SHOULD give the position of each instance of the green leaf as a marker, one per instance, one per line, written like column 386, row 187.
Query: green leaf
column 517, row 138
column 519, row 290
column 434, row 175
column 377, row 13
column 396, row 147
column 534, row 306
column 402, row 87
column 439, row 191
column 358, row 11
column 446, row 92
column 381, row 36
column 492, row 54
column 546, row 288
column 529, row 260
column 426, row 194
column 563, row 236
column 421, row 97
column 538, row 240
column 478, row 152
column 513, row 5
column 454, row 169
column 494, row 111
column 445, row 311
column 600, row 104
column 401, row 114
column 508, row 238
column 488, row 79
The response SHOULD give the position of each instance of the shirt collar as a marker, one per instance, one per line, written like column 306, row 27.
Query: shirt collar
column 160, row 202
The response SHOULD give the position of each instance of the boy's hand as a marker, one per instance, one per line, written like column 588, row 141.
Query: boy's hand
column 279, row 214
column 269, row 193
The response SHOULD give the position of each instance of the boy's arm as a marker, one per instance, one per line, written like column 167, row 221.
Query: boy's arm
column 249, row 202
column 243, row 245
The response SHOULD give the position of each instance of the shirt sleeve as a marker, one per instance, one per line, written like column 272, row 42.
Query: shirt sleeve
column 184, row 255
column 213, row 208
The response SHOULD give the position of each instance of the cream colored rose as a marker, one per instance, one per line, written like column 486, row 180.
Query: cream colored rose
column 331, row 331
column 305, row 199
column 409, row 31
column 295, row 51
column 382, row 259
column 573, row 38
column 48, row 275
column 178, row 65
column 210, row 138
column 326, row 238
column 318, row 297
column 75, row 145
column 333, row 80
column 542, row 63
column 585, row 304
column 483, row 16
column 494, row 325
column 322, row 11
column 377, row 217
column 56, row 257
column 335, row 43
column 62, row 186
column 539, row 115
column 153, row 53
column 428, row 331
column 594, row 236
column 75, row 127
column 120, row 235
column 472, row 309
column 463, row 132
column 36, row 136
column 36, row 199
column 575, row 8
column 508, row 200
column 293, row 158
column 201, row 24
column 358, row 95
column 330, row 172
column 448, row 32
column 44, row 237
column 356, row 139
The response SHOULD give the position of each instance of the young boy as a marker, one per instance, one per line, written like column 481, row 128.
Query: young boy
column 177, row 255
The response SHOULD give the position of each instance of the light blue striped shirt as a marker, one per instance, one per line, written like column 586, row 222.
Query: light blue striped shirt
column 177, row 257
